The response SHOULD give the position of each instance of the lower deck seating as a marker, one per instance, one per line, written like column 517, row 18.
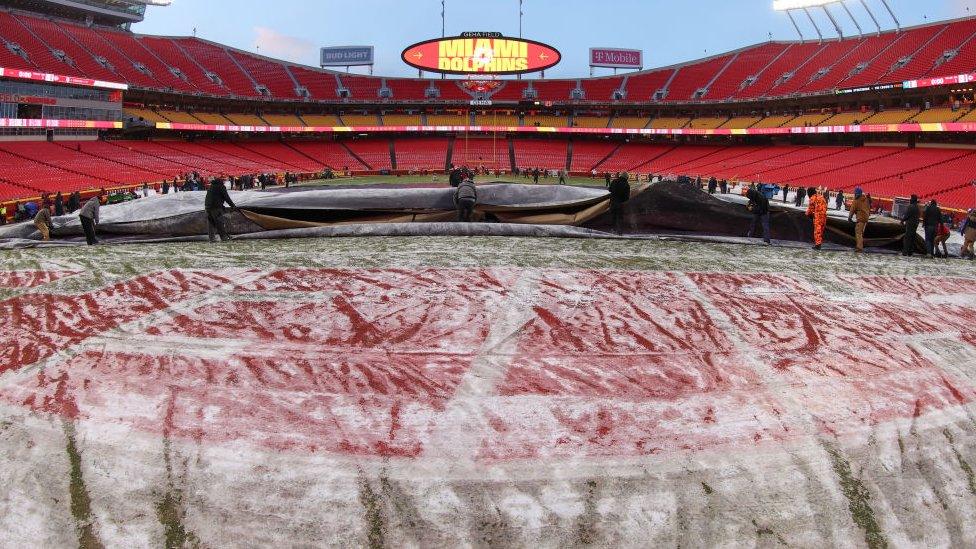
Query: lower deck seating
column 419, row 154
column 374, row 152
column 477, row 152
column 547, row 155
column 30, row 168
column 630, row 157
column 587, row 154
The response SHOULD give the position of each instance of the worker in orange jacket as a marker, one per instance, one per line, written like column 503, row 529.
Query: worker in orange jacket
column 818, row 211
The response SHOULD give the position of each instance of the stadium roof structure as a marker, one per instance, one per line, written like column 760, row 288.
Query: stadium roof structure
column 106, row 12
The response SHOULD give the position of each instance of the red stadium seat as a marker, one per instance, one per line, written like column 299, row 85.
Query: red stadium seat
column 547, row 155
column 415, row 154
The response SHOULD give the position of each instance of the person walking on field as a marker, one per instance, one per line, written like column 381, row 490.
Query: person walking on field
column 88, row 215
column 931, row 220
column 217, row 196
column 759, row 206
column 43, row 223
column 817, row 210
column 862, row 211
column 910, row 221
column 968, row 231
column 59, row 204
column 619, row 194
column 465, row 199
column 941, row 238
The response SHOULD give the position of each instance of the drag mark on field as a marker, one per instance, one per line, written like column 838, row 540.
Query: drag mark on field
column 963, row 464
column 14, row 280
column 78, row 492
column 858, row 499
column 373, row 517
column 170, row 511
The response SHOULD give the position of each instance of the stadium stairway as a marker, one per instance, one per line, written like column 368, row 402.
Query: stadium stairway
column 355, row 157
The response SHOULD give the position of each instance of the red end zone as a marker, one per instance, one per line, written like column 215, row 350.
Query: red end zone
column 414, row 363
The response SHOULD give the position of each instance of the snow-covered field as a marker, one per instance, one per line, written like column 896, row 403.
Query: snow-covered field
column 485, row 392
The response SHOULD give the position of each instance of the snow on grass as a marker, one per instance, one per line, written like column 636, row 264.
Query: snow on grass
column 620, row 393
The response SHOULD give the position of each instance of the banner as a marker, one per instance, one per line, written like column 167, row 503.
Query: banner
column 60, row 79
column 616, row 58
column 54, row 124
column 346, row 56
column 968, row 127
column 940, row 81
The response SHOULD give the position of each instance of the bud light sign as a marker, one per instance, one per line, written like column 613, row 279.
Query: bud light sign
column 347, row 56
column 615, row 58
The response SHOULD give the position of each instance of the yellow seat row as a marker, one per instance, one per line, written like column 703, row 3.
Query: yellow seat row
column 669, row 123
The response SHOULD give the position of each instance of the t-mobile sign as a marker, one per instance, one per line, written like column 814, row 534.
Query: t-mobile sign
column 616, row 58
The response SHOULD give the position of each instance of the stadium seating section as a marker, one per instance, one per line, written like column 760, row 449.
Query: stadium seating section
column 772, row 69
column 548, row 155
column 419, row 154
column 937, row 114
column 886, row 171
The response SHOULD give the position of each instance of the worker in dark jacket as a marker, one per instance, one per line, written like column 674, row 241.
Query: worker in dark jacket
column 619, row 194
column 759, row 206
column 89, row 219
column 465, row 199
column 217, row 196
column 59, row 204
column 712, row 185
column 910, row 221
column 931, row 220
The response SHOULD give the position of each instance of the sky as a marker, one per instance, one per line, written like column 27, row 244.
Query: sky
column 669, row 31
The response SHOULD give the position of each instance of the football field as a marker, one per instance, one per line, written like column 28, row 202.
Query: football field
column 485, row 392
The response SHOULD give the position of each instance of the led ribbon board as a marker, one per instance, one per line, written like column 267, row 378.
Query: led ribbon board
column 481, row 53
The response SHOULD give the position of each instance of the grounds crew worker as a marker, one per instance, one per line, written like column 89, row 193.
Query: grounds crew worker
column 217, row 196
column 861, row 209
column 817, row 210
column 89, row 219
column 43, row 223
column 910, row 221
column 759, row 206
column 465, row 199
column 619, row 193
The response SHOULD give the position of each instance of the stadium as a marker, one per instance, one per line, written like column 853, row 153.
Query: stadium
column 575, row 367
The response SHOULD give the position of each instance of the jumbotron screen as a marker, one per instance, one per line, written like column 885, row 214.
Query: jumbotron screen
column 481, row 53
